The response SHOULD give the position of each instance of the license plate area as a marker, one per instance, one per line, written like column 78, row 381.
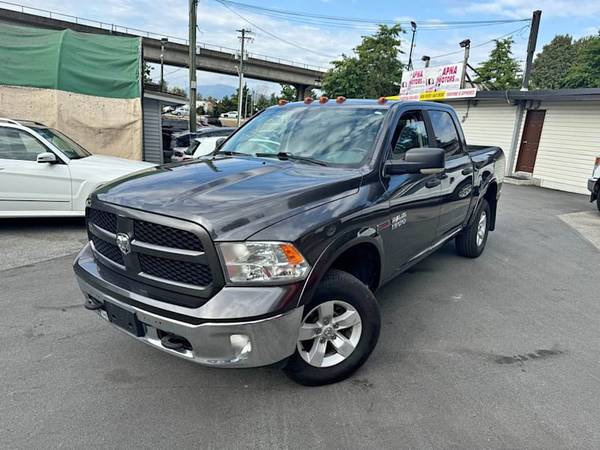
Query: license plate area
column 124, row 319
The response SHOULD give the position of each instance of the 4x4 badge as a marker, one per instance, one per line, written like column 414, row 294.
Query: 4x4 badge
column 123, row 243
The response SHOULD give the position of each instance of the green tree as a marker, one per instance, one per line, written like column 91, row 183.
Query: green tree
column 501, row 70
column 374, row 69
column 585, row 71
column 146, row 70
column 288, row 92
column 553, row 63
column 176, row 90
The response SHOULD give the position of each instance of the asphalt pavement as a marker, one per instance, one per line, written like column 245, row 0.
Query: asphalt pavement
column 497, row 352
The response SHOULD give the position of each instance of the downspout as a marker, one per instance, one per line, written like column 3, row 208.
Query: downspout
column 516, row 138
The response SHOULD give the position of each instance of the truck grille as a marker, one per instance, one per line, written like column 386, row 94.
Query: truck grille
column 167, row 253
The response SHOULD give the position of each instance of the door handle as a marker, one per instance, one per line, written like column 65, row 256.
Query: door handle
column 433, row 183
column 467, row 171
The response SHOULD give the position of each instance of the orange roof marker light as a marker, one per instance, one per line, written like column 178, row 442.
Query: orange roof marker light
column 340, row 99
column 382, row 100
column 308, row 100
column 323, row 99
column 282, row 101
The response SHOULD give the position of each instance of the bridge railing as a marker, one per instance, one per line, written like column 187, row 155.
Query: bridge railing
column 115, row 28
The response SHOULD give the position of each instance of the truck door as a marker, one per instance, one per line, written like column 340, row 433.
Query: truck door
column 413, row 198
column 457, row 180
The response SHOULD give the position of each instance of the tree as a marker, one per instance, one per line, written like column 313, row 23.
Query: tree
column 585, row 71
column 553, row 63
column 500, row 70
column 146, row 69
column 374, row 69
column 176, row 90
column 288, row 92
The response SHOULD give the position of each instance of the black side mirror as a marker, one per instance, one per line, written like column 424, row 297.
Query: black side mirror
column 423, row 160
column 219, row 143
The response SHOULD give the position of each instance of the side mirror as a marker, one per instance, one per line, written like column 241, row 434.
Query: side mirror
column 423, row 160
column 46, row 157
column 220, row 143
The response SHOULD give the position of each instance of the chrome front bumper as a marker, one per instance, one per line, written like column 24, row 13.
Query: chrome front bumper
column 250, row 343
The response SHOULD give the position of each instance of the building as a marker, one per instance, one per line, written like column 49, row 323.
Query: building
column 549, row 137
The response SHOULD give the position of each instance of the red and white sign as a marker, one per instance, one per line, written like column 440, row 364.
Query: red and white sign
column 431, row 79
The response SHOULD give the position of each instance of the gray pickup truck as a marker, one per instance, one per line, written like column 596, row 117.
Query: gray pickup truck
column 272, row 250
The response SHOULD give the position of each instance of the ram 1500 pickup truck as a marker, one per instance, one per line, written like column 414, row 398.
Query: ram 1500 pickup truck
column 270, row 252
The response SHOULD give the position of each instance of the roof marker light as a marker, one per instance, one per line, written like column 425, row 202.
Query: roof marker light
column 381, row 100
column 323, row 99
column 340, row 99
column 282, row 101
column 308, row 100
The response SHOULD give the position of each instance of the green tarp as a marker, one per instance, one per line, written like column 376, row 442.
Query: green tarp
column 98, row 65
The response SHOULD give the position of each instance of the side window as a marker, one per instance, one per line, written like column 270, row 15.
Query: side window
column 446, row 136
column 410, row 133
column 19, row 145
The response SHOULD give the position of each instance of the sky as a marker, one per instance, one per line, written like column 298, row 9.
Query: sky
column 318, row 44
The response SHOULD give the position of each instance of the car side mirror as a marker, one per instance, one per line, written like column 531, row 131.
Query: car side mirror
column 220, row 143
column 46, row 157
column 423, row 160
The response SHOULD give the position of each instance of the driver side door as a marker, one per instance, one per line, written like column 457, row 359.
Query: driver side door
column 25, row 184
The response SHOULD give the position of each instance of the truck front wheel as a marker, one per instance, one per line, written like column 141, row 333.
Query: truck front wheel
column 471, row 241
column 339, row 331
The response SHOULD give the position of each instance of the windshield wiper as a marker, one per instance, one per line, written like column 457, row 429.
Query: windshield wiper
column 284, row 156
column 230, row 153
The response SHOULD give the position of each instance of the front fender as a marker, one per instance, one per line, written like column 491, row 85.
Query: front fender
column 335, row 248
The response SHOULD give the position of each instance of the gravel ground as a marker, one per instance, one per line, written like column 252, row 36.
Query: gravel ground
column 498, row 352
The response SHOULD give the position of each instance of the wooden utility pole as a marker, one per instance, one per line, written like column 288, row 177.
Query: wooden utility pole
column 192, row 59
column 533, row 34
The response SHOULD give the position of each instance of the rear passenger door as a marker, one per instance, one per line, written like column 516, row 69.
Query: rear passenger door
column 457, row 180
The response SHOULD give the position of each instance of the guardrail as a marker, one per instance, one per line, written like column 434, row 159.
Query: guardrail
column 148, row 34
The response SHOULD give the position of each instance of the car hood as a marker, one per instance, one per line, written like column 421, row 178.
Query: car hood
column 232, row 197
column 110, row 165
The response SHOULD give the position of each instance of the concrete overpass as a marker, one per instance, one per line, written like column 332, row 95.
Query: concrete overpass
column 210, row 58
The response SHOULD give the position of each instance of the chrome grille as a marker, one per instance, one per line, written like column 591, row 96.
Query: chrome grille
column 168, row 253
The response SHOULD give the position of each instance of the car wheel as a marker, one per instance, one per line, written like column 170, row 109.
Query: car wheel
column 471, row 241
column 339, row 331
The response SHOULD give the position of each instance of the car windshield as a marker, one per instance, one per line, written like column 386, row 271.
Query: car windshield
column 70, row 148
column 340, row 136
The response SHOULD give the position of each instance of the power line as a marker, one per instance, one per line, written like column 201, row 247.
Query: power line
column 275, row 12
column 272, row 35
column 483, row 43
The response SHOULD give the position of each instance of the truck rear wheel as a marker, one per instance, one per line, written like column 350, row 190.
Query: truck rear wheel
column 339, row 331
column 471, row 241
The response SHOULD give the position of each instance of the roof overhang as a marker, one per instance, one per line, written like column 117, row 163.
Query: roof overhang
column 514, row 96
column 167, row 99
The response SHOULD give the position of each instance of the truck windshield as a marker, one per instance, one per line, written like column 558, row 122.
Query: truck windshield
column 341, row 136
column 70, row 148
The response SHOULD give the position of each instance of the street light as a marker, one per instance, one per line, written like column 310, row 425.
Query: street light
column 426, row 59
column 412, row 43
column 466, row 44
column 163, row 43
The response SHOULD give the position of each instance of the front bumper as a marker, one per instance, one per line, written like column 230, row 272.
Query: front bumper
column 591, row 184
column 233, row 343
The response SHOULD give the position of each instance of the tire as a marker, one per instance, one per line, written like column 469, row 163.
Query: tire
column 340, row 299
column 470, row 242
column 598, row 200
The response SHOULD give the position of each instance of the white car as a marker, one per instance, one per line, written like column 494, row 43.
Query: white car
column 230, row 115
column 594, row 183
column 43, row 173
column 202, row 143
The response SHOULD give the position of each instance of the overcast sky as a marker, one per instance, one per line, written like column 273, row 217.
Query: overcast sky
column 217, row 26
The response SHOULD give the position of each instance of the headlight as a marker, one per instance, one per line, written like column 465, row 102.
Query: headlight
column 247, row 262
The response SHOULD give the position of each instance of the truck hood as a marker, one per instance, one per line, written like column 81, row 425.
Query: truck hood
column 110, row 165
column 232, row 197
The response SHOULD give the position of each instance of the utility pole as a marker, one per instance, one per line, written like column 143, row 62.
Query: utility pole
column 192, row 60
column 412, row 44
column 466, row 44
column 533, row 34
column 246, row 104
column 163, row 43
column 240, row 99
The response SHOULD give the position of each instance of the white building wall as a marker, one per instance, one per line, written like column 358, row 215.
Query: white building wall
column 487, row 123
column 569, row 144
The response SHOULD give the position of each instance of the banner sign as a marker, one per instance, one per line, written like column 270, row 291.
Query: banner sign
column 431, row 79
